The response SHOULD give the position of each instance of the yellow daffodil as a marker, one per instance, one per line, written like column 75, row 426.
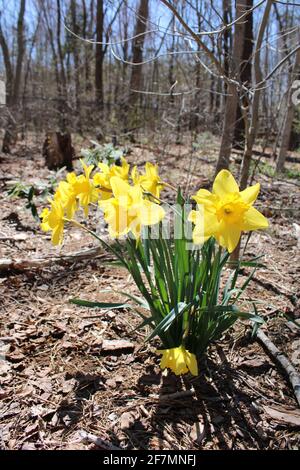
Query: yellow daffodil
column 127, row 211
column 226, row 212
column 179, row 360
column 85, row 189
column 67, row 195
column 53, row 220
column 102, row 180
column 150, row 181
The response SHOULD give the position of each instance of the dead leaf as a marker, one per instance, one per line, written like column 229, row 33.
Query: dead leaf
column 28, row 446
column 117, row 345
column 255, row 363
column 111, row 383
column 289, row 417
column 127, row 420
column 68, row 385
column 44, row 384
column 15, row 356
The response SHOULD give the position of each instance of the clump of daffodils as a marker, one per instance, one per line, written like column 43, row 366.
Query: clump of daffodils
column 126, row 206
column 179, row 283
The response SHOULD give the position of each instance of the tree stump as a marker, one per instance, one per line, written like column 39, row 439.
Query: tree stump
column 9, row 139
column 58, row 151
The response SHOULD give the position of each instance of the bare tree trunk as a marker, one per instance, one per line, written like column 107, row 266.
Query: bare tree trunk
column 85, row 32
column 171, row 63
column 232, row 98
column 8, row 68
column 245, row 77
column 99, row 54
column 75, row 47
column 289, row 117
column 226, row 13
column 254, row 120
column 63, row 78
column 136, row 72
column 21, row 50
column 13, row 80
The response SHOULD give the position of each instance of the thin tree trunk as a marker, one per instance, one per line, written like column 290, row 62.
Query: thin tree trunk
column 136, row 72
column 99, row 54
column 87, row 68
column 254, row 120
column 232, row 98
column 289, row 117
column 171, row 63
column 76, row 61
column 8, row 68
column 21, row 50
column 62, row 79
column 226, row 38
column 245, row 77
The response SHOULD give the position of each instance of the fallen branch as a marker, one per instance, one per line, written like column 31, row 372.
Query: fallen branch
column 270, row 287
column 293, row 375
column 19, row 264
column 258, row 153
column 91, row 438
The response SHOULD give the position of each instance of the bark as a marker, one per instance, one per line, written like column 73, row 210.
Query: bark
column 171, row 63
column 289, row 117
column 62, row 81
column 245, row 77
column 60, row 51
column 8, row 68
column 254, row 119
column 58, row 151
column 137, row 55
column 21, row 51
column 85, row 33
column 232, row 98
column 99, row 54
column 75, row 47
column 226, row 38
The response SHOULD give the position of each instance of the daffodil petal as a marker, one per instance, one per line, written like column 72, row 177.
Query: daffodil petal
column 249, row 195
column 57, row 235
column 224, row 184
column 191, row 362
column 151, row 213
column 119, row 187
column 254, row 220
column 229, row 236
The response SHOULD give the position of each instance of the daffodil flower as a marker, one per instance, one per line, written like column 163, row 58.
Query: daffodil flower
column 85, row 189
column 127, row 211
column 226, row 212
column 102, row 180
column 67, row 195
column 179, row 360
column 54, row 220
column 150, row 181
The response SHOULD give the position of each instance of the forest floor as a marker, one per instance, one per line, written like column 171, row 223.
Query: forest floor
column 66, row 370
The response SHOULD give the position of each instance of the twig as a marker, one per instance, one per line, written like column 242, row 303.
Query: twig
column 19, row 264
column 293, row 375
column 87, row 437
column 177, row 395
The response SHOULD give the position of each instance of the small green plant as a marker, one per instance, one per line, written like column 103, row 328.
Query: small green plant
column 30, row 192
column 106, row 153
